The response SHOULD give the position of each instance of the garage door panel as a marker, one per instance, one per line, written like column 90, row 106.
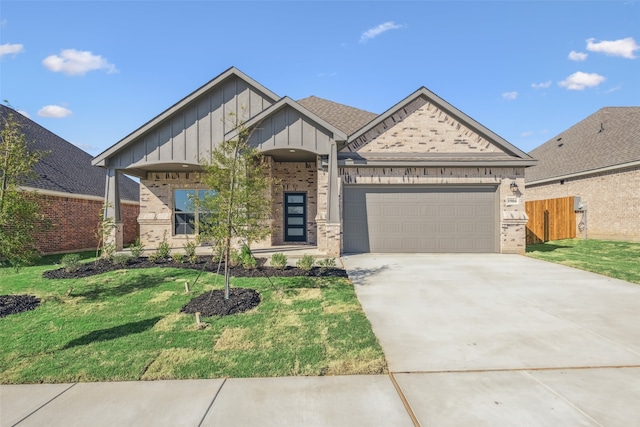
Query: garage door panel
column 419, row 219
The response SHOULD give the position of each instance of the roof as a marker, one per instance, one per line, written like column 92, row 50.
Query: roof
column 66, row 168
column 347, row 119
column 606, row 139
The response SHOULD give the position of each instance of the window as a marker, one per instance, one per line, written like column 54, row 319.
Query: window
column 186, row 209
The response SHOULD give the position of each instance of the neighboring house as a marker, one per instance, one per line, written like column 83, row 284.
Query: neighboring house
column 421, row 177
column 71, row 191
column 597, row 160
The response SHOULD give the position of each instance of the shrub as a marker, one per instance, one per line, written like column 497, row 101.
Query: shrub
column 155, row 257
column 71, row 262
column 190, row 251
column 235, row 258
column 136, row 248
column 279, row 261
column 305, row 263
column 247, row 258
column 164, row 250
column 178, row 257
column 108, row 251
column 327, row 263
column 121, row 259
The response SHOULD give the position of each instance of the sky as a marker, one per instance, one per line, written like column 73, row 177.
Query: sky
column 94, row 71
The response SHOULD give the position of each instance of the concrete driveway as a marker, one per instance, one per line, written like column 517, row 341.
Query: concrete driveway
column 484, row 339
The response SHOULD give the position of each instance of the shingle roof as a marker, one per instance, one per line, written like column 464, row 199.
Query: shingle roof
column 347, row 119
column 609, row 137
column 66, row 168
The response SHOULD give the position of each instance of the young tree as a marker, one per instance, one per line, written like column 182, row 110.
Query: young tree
column 20, row 217
column 239, row 205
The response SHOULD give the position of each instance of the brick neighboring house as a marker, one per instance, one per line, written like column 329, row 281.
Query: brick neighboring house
column 71, row 191
column 420, row 177
column 598, row 160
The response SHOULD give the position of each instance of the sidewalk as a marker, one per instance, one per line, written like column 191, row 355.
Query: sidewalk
column 291, row 401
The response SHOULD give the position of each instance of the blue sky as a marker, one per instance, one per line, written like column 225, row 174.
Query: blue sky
column 94, row 71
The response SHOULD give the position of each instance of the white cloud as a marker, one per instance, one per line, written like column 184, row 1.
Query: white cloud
column 85, row 147
column 578, row 56
column 542, row 85
column 11, row 49
column 54, row 111
column 376, row 31
column 527, row 133
column 622, row 47
column 510, row 96
column 580, row 80
column 24, row 113
column 332, row 74
column 74, row 62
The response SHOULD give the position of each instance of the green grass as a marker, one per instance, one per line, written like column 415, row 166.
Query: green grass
column 620, row 260
column 126, row 325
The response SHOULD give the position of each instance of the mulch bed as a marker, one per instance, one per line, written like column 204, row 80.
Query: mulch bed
column 208, row 304
column 212, row 303
column 13, row 304
column 204, row 263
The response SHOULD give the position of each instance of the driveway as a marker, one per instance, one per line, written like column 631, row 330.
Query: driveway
column 504, row 336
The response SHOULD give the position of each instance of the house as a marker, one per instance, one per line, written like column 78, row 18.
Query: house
column 597, row 160
column 71, row 191
column 420, row 177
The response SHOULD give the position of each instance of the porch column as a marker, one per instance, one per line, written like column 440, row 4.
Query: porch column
column 333, row 227
column 111, row 212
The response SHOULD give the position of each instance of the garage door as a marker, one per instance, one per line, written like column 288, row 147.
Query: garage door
column 389, row 218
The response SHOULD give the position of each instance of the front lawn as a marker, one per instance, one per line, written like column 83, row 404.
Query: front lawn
column 620, row 260
column 126, row 325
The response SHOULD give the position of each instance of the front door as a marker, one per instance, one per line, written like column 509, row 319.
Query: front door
column 295, row 217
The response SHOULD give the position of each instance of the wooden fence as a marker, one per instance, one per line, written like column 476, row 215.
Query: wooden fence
column 550, row 219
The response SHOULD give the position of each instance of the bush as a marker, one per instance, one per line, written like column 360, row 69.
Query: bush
column 155, row 257
column 305, row 263
column 121, row 259
column 279, row 261
column 178, row 257
column 247, row 258
column 190, row 251
column 71, row 262
column 136, row 248
column 108, row 251
column 327, row 263
column 164, row 250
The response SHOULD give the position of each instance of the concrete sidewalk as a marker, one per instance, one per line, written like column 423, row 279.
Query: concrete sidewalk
column 291, row 401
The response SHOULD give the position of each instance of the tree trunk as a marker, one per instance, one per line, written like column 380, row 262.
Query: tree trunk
column 227, row 250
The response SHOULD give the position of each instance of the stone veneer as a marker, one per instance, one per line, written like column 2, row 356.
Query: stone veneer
column 512, row 217
column 612, row 199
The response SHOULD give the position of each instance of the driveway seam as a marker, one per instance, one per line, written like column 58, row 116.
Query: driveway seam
column 404, row 400
column 212, row 402
column 570, row 403
column 559, row 368
column 45, row 403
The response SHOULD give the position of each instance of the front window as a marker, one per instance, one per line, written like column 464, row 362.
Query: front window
column 187, row 210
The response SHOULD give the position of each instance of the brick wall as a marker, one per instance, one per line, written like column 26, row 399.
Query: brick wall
column 74, row 223
column 612, row 199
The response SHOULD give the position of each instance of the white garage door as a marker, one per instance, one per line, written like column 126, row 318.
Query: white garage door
column 389, row 218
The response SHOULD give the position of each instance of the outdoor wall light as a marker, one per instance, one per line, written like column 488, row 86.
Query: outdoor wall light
column 514, row 187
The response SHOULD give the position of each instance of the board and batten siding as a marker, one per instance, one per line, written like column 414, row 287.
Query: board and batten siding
column 192, row 132
column 288, row 128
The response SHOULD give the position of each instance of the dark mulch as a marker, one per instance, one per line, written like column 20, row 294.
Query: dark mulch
column 13, row 304
column 204, row 263
column 212, row 303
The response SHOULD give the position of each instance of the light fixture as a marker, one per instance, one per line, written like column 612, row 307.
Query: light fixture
column 514, row 187
column 292, row 151
column 185, row 166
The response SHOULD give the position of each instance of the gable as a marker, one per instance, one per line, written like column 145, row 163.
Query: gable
column 424, row 125
column 427, row 129
column 184, row 133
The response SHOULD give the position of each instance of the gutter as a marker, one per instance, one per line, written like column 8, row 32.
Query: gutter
column 583, row 173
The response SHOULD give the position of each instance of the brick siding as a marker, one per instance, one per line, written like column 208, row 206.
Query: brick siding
column 74, row 223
